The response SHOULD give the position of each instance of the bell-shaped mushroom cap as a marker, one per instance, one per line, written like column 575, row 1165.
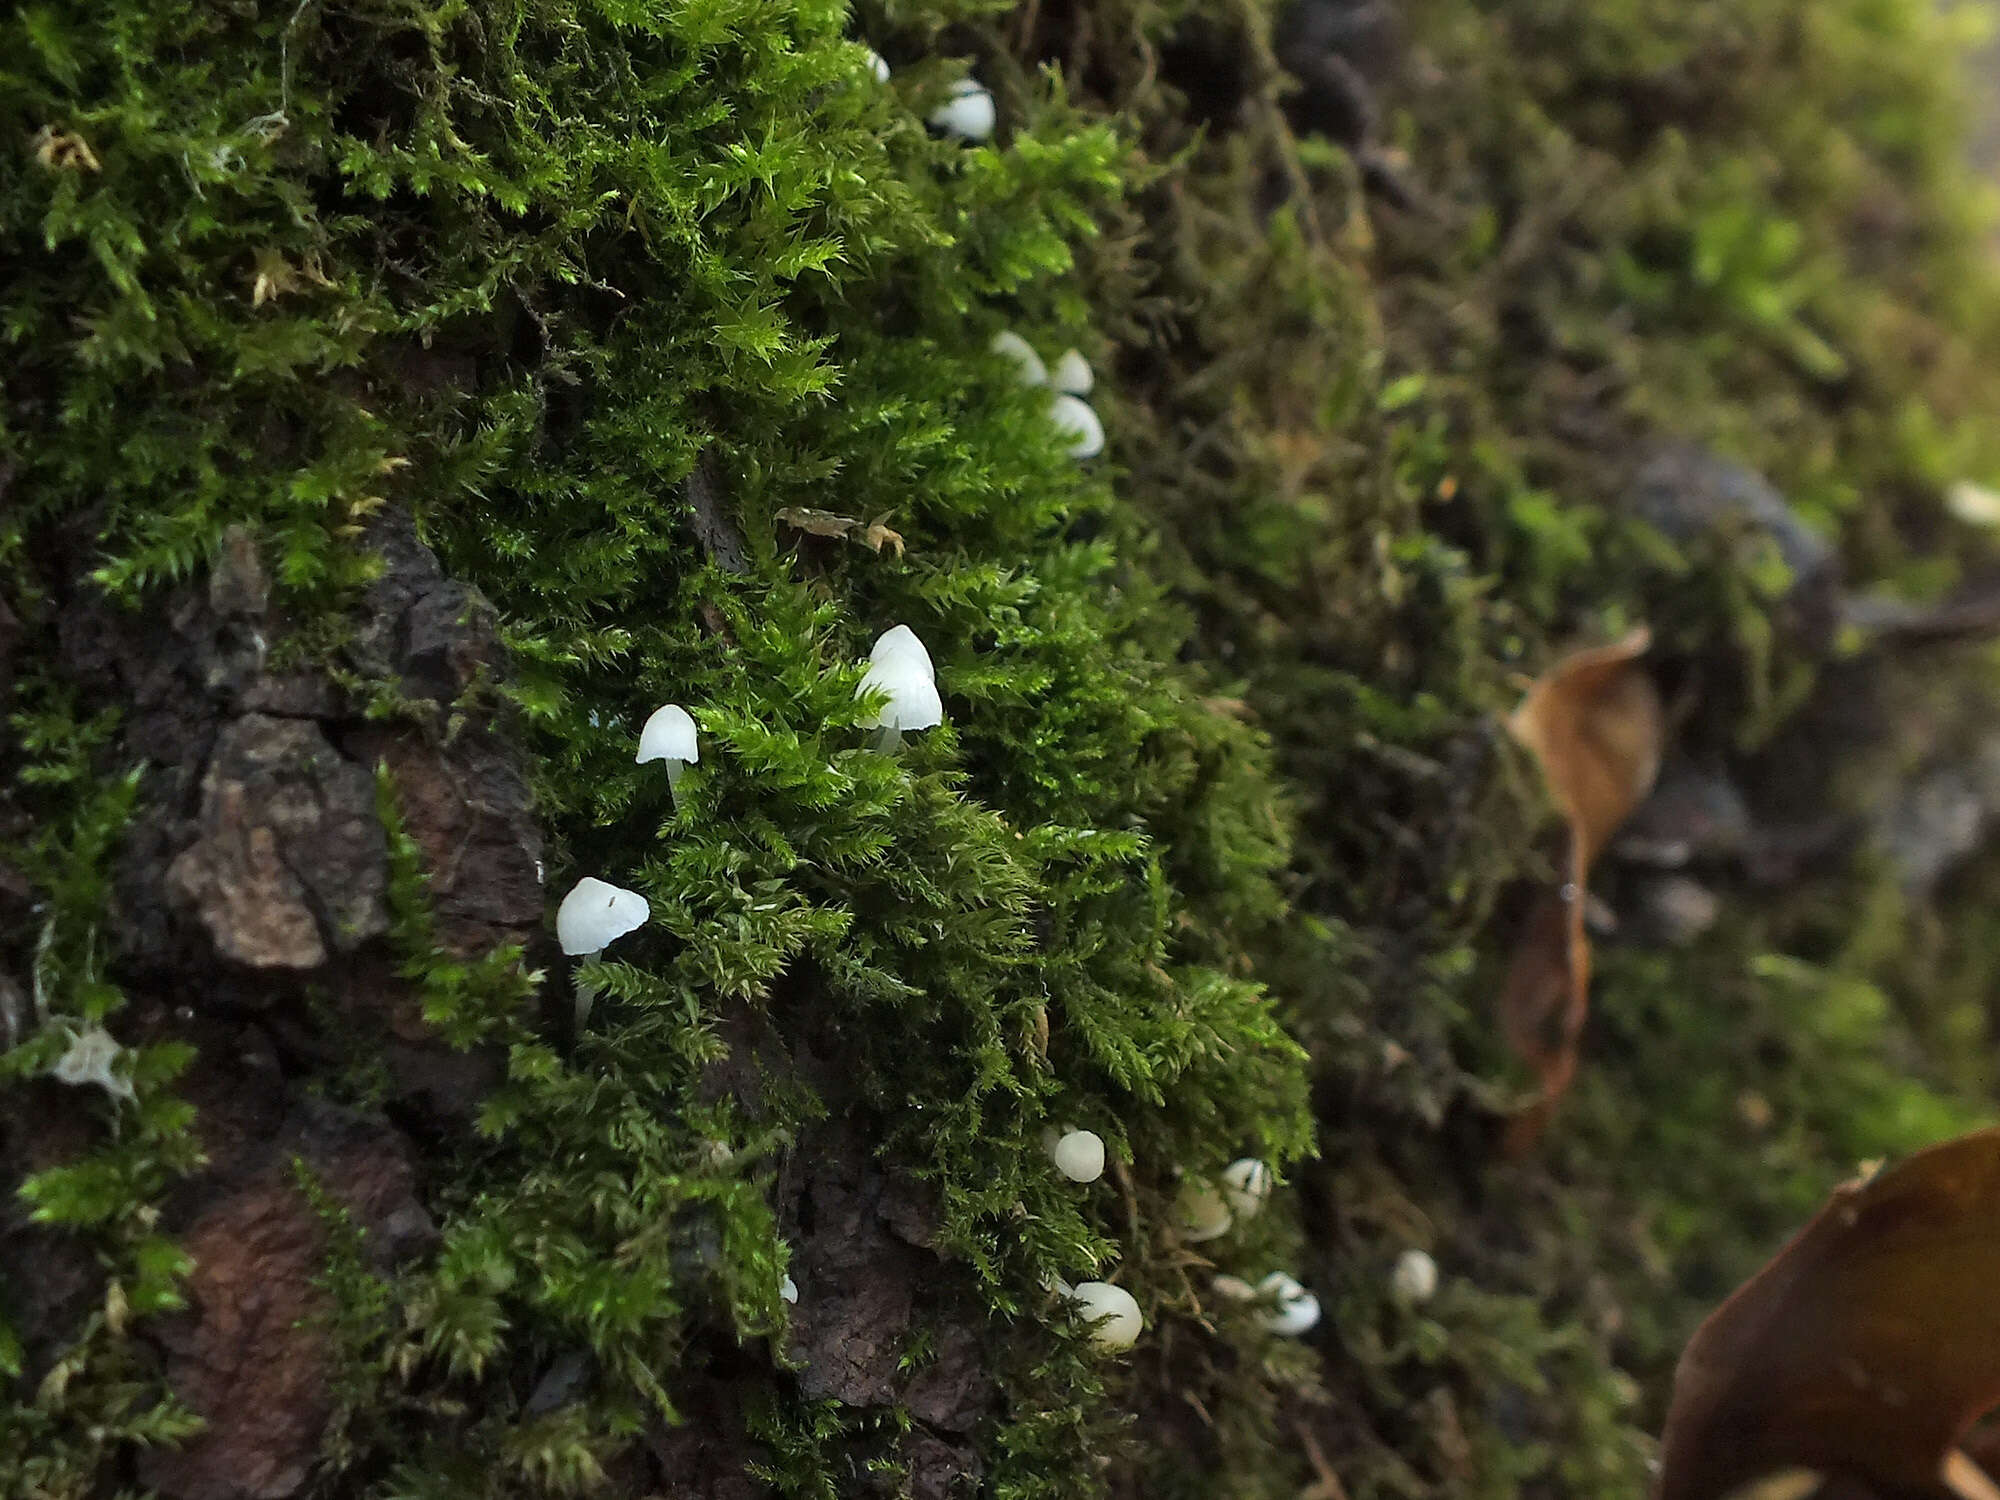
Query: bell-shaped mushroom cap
column 900, row 667
column 597, row 914
column 1073, row 418
column 1202, row 1212
column 1079, row 1155
column 1028, row 366
column 1111, row 1311
column 789, row 1289
column 1246, row 1184
column 877, row 64
column 1294, row 1310
column 899, row 643
column 968, row 114
column 1072, row 374
column 1415, row 1278
column 669, row 735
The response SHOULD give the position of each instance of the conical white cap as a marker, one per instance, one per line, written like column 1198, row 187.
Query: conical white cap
column 913, row 696
column 1028, row 364
column 969, row 113
column 1072, row 374
column 1111, row 1311
column 1074, row 419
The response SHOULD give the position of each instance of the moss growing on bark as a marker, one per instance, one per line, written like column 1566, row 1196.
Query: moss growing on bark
column 606, row 297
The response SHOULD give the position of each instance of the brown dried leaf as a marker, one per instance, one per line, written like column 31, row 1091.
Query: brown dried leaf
column 876, row 536
column 817, row 522
column 1594, row 724
column 1864, row 1351
column 63, row 151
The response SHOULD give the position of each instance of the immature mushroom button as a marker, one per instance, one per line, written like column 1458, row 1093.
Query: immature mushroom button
column 1072, row 374
column 968, row 114
column 789, row 1290
column 1415, row 1278
column 1028, row 366
column 1201, row 1210
column 1078, row 1155
column 1294, row 1310
column 877, row 65
column 1073, row 418
column 1246, row 1184
column 1110, row 1311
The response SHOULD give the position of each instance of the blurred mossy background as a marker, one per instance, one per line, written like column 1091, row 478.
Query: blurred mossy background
column 1218, row 851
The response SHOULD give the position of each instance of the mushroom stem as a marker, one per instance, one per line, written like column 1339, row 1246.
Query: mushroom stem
column 675, row 770
column 586, row 992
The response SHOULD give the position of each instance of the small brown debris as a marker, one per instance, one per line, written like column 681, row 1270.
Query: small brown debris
column 63, row 151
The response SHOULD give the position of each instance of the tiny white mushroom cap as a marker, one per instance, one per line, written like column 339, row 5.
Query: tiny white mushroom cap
column 669, row 735
column 1235, row 1288
column 903, row 673
column 899, row 644
column 1111, row 1312
column 968, row 114
column 1201, row 1210
column 789, row 1290
column 1073, row 418
column 1294, row 1310
column 1072, row 374
column 1974, row 504
column 88, row 1060
column 1028, row 366
column 1246, row 1185
column 1078, row 1155
column 596, row 914
column 877, row 65
column 1415, row 1278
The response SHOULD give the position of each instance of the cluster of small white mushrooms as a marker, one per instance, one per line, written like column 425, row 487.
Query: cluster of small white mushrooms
column 1068, row 384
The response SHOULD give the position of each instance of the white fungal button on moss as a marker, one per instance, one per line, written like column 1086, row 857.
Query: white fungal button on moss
column 1110, row 1311
column 1201, row 1210
column 1415, row 1278
column 877, row 65
column 670, row 736
column 1073, row 418
column 1028, row 366
column 1078, row 1154
column 900, row 668
column 1293, row 1311
column 789, row 1290
column 968, row 114
column 1072, row 374
column 1246, row 1185
column 88, row 1060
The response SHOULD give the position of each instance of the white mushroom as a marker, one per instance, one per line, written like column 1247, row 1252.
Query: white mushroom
column 789, row 1290
column 593, row 916
column 900, row 668
column 1072, row 374
column 1974, row 504
column 968, row 114
column 1202, row 1213
column 1028, row 366
column 89, row 1060
column 1235, row 1288
column 877, row 65
column 1415, row 1278
column 1078, row 1154
column 669, row 735
column 1246, row 1185
column 1294, row 1310
column 1111, row 1312
column 1073, row 418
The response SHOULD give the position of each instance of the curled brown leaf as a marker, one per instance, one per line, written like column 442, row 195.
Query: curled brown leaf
column 1595, row 726
column 1864, row 1351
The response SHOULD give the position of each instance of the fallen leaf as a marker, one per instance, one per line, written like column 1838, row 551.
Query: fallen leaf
column 877, row 536
column 817, row 522
column 62, row 151
column 1864, row 1352
column 1594, row 724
